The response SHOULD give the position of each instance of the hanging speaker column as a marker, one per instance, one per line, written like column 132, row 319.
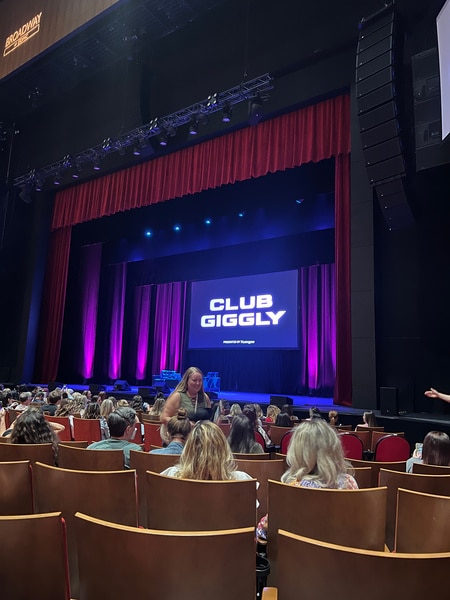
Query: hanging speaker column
column 378, row 65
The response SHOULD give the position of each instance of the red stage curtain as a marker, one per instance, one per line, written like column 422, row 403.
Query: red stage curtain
column 310, row 134
column 52, row 311
column 343, row 385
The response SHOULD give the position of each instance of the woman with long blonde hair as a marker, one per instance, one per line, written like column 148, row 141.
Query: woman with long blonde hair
column 206, row 456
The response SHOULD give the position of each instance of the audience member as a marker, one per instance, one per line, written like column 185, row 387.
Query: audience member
column 272, row 412
column 333, row 418
column 435, row 451
column 190, row 395
column 51, row 405
column 206, row 456
column 369, row 420
column 314, row 413
column 242, row 436
column 158, row 404
column 92, row 411
column 122, row 403
column 283, row 420
column 25, row 399
column 178, row 429
column 315, row 459
column 250, row 413
column 235, row 410
column 289, row 409
column 221, row 411
column 122, row 428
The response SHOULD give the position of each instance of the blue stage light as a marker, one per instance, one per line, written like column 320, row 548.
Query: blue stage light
column 177, row 227
column 148, row 233
column 208, row 221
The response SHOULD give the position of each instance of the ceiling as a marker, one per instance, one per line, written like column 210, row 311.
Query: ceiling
column 116, row 35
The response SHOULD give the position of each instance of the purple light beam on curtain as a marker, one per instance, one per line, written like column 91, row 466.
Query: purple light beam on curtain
column 117, row 312
column 91, row 259
column 169, row 326
column 318, row 327
column 142, row 325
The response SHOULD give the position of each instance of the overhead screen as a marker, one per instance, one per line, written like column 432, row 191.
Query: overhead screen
column 256, row 311
column 443, row 32
column 29, row 28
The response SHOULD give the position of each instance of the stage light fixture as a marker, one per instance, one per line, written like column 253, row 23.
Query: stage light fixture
column 96, row 166
column 57, row 179
column 227, row 113
column 163, row 139
column 299, row 201
column 241, row 214
column 76, row 173
column 208, row 221
column 137, row 151
column 211, row 101
column 177, row 227
column 193, row 127
column 39, row 184
column 148, row 233
column 255, row 111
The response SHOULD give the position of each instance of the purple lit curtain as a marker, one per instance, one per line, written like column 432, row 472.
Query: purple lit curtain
column 141, row 328
column 116, row 328
column 91, row 260
column 318, row 327
column 168, row 340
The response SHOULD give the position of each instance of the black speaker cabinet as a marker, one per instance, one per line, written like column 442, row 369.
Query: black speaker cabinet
column 280, row 401
column 388, row 401
column 95, row 388
column 121, row 385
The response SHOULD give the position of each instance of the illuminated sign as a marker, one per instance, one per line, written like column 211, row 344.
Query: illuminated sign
column 23, row 34
column 232, row 318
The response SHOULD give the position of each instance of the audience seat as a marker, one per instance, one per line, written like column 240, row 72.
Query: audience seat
column 363, row 476
column 118, row 562
column 262, row 471
column 285, row 441
column 66, row 434
column 375, row 466
column 377, row 435
column 87, row 429
column 108, row 495
column 16, row 494
column 33, row 558
column 152, row 435
column 192, row 505
column 352, row 445
column 351, row 517
column 82, row 459
column 430, row 469
column 255, row 456
column 277, row 433
column 392, row 448
column 33, row 452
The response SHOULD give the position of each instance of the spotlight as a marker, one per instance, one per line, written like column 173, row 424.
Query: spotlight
column 211, row 101
column 227, row 113
column 57, row 179
column 96, row 165
column 163, row 139
column 208, row 221
column 255, row 111
column 193, row 127
column 299, row 201
column 148, row 233
column 137, row 151
column 241, row 213
column 76, row 173
column 107, row 144
column 39, row 184
column 177, row 227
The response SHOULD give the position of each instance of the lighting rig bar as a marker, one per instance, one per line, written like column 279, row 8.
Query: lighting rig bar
column 257, row 88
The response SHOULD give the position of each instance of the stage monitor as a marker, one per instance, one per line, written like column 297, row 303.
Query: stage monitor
column 255, row 311
column 443, row 34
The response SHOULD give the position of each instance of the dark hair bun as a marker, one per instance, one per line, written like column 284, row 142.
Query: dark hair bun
column 182, row 414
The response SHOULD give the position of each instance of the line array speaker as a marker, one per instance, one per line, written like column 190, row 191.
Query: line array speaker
column 388, row 401
column 377, row 63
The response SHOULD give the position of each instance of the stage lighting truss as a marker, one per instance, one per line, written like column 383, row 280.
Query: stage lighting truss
column 158, row 127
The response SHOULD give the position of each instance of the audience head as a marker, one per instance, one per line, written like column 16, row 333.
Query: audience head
column 333, row 418
column 137, row 403
column 54, row 397
column 314, row 413
column 158, row 404
column 283, row 420
column 369, row 419
column 106, row 408
column 31, row 427
column 436, row 449
column 92, row 411
column 315, row 451
column 71, row 407
column 242, row 434
column 206, row 454
column 122, row 423
column 272, row 412
column 250, row 413
column 122, row 403
column 288, row 408
column 235, row 410
column 179, row 425
column 25, row 398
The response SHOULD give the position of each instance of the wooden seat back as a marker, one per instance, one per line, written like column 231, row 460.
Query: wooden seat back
column 375, row 466
column 225, row 427
column 430, row 469
column 262, row 471
column 365, row 436
column 109, row 495
column 276, row 434
column 192, row 505
column 142, row 462
column 363, row 476
column 377, row 435
column 81, row 459
column 255, row 456
column 352, row 445
column 422, row 523
column 412, row 576
column 165, row 564
column 87, row 429
column 33, row 452
column 16, row 493
column 393, row 480
column 41, row 541
column 328, row 515
column 285, row 441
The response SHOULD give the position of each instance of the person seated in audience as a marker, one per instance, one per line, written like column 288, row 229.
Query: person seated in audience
column 28, row 423
column 249, row 411
column 206, row 456
column 92, row 411
column 333, row 418
column 51, row 406
column 242, row 436
column 369, row 420
column 272, row 412
column 122, row 403
column 106, row 408
column 289, row 409
column 31, row 427
column 72, row 407
column 122, row 425
column 138, row 404
column 283, row 420
column 314, row 413
column 188, row 394
column 178, row 430
column 316, row 460
column 25, row 399
column 221, row 411
column 235, row 410
column 435, row 451
column 158, row 404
